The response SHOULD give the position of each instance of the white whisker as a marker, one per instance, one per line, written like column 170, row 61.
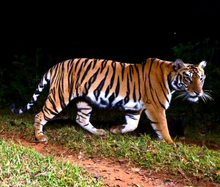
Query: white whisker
column 182, row 95
column 207, row 91
column 206, row 96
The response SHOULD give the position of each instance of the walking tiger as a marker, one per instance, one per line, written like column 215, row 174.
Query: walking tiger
column 135, row 88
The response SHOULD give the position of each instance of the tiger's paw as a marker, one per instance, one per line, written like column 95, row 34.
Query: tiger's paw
column 42, row 138
column 116, row 129
column 100, row 132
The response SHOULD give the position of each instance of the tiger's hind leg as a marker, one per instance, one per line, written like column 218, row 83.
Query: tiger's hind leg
column 83, row 117
column 49, row 110
column 132, row 119
column 38, row 124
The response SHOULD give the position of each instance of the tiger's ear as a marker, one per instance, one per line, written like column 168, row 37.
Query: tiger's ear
column 178, row 64
column 202, row 64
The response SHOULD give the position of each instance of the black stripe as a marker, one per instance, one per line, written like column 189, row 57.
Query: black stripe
column 165, row 95
column 117, row 88
column 143, row 70
column 63, row 67
column 111, row 99
column 100, row 86
column 150, row 72
column 107, row 91
column 126, row 99
column 61, row 91
column 46, row 118
column 139, row 81
column 85, row 114
column 86, row 88
column 94, row 63
column 45, row 77
column 149, row 79
column 98, row 89
column 103, row 102
column 80, row 70
column 91, row 81
column 103, row 65
column 131, row 71
column 85, row 62
column 53, row 104
column 158, row 62
column 122, row 70
column 77, row 63
column 70, row 81
column 161, row 104
column 113, row 75
column 82, row 116
column 86, row 72
column 178, row 79
column 80, row 109
column 61, row 98
column 37, row 92
column 128, row 84
column 49, row 111
column 163, row 81
column 119, row 104
column 153, row 121
column 54, row 71
column 169, row 81
column 134, row 94
column 69, row 63
column 134, row 112
column 131, row 116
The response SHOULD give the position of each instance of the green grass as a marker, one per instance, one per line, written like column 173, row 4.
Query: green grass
column 20, row 166
column 191, row 160
column 194, row 161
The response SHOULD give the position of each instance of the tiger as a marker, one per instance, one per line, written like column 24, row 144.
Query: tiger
column 131, row 87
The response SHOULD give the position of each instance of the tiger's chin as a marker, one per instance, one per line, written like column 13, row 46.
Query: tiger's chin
column 193, row 99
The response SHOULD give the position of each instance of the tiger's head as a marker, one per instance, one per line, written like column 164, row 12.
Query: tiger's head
column 189, row 79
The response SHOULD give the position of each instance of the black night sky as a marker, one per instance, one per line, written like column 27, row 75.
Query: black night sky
column 123, row 32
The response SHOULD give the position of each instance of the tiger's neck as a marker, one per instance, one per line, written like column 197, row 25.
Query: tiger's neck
column 156, row 88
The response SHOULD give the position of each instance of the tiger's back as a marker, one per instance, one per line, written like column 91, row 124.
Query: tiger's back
column 105, row 83
column 110, row 83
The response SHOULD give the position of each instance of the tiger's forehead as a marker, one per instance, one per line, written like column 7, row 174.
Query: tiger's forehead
column 194, row 69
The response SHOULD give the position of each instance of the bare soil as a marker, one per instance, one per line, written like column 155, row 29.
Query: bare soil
column 112, row 171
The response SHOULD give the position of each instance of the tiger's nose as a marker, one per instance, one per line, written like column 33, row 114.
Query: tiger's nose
column 198, row 93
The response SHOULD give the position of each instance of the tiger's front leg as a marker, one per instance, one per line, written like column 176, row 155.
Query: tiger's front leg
column 159, row 122
column 132, row 119
column 83, row 116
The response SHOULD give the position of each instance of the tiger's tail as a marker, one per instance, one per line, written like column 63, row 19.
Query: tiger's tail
column 44, row 81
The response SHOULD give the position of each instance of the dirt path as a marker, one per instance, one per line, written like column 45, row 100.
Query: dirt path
column 113, row 172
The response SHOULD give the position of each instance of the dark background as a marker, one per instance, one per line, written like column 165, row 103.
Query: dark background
column 128, row 31
column 36, row 36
